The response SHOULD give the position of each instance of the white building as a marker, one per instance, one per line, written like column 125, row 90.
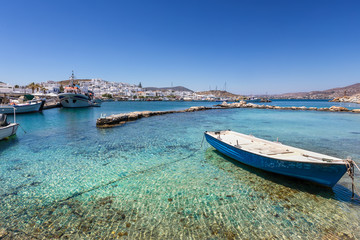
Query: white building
column 51, row 87
column 6, row 88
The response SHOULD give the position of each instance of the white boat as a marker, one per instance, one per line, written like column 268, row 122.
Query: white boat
column 75, row 100
column 74, row 97
column 33, row 106
column 253, row 100
column 7, row 129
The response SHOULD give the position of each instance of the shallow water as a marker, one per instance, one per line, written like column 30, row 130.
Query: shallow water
column 311, row 103
column 151, row 178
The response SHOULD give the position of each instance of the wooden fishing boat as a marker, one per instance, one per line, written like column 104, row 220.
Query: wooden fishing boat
column 278, row 158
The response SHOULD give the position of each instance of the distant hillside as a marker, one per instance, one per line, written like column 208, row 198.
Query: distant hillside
column 218, row 93
column 326, row 94
column 177, row 88
column 76, row 81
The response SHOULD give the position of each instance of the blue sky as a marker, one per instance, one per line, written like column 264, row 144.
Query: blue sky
column 255, row 46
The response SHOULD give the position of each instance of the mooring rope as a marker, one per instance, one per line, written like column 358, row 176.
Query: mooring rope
column 22, row 128
column 350, row 169
column 202, row 141
column 130, row 175
column 115, row 180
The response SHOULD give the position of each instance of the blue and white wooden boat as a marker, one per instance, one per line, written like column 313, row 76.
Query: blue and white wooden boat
column 278, row 158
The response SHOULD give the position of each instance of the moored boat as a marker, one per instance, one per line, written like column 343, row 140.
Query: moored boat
column 253, row 100
column 7, row 129
column 28, row 107
column 74, row 97
column 278, row 158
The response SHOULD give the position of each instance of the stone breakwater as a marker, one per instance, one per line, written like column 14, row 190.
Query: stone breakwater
column 119, row 119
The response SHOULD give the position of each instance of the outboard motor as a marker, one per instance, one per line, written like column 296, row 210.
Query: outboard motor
column 3, row 120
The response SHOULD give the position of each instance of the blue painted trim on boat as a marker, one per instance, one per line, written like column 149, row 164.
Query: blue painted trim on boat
column 326, row 174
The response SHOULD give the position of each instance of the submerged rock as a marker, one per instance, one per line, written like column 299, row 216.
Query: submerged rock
column 3, row 232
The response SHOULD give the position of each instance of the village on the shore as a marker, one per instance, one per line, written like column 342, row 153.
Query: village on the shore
column 115, row 91
column 119, row 91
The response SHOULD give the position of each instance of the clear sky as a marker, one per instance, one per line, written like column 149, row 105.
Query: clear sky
column 255, row 46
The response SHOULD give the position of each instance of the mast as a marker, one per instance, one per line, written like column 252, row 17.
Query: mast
column 72, row 78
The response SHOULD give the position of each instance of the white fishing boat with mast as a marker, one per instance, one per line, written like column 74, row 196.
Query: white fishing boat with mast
column 75, row 97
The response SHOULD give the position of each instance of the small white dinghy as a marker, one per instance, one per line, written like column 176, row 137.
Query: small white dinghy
column 7, row 129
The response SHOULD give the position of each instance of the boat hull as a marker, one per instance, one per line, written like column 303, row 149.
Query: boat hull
column 23, row 108
column 8, row 130
column 326, row 174
column 255, row 100
column 71, row 100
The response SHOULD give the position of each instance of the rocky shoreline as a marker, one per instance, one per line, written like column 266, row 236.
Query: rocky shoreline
column 120, row 119
column 252, row 105
column 352, row 99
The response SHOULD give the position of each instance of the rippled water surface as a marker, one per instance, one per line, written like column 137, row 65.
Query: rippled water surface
column 311, row 103
column 151, row 178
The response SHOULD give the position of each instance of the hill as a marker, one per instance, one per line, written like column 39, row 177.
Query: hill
column 326, row 94
column 177, row 88
column 76, row 81
column 218, row 93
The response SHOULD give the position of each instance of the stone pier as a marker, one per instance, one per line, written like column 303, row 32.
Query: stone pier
column 119, row 119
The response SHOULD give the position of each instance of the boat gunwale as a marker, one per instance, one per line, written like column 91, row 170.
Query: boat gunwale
column 20, row 105
column 337, row 161
column 10, row 125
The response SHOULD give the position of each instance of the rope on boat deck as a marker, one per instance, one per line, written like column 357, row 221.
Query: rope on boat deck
column 350, row 165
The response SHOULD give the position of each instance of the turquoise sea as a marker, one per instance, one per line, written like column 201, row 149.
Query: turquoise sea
column 156, row 178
